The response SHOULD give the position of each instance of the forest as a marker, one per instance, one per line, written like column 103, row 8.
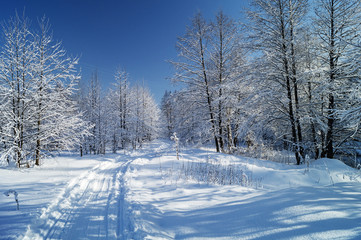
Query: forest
column 285, row 79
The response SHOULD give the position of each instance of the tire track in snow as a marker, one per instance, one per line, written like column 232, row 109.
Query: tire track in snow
column 91, row 206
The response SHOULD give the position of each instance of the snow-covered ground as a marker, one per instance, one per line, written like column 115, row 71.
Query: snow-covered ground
column 147, row 195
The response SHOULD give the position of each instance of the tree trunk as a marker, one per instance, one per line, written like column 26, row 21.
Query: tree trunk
column 220, row 127
column 313, row 128
column 209, row 101
column 288, row 87
column 331, row 101
column 229, row 131
column 300, row 148
column 220, row 82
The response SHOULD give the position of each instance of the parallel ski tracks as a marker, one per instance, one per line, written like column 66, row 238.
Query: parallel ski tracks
column 92, row 206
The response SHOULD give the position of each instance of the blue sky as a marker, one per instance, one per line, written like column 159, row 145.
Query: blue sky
column 137, row 35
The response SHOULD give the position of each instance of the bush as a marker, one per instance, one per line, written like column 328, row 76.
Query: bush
column 216, row 173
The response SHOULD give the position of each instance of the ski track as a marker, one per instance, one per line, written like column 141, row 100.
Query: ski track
column 138, row 196
column 92, row 206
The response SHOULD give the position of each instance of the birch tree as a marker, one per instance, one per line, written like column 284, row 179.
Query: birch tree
column 168, row 112
column 144, row 116
column 338, row 28
column 17, row 69
column 118, row 103
column 37, row 86
column 192, row 69
column 53, row 106
column 274, row 33
column 226, row 63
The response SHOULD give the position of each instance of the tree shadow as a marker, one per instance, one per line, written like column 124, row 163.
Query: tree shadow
column 315, row 213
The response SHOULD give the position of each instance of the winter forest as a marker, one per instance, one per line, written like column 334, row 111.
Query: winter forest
column 287, row 79
column 44, row 109
column 254, row 133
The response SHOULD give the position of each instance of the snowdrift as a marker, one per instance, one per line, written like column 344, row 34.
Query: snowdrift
column 149, row 194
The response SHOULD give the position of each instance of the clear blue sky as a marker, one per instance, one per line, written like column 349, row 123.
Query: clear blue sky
column 138, row 35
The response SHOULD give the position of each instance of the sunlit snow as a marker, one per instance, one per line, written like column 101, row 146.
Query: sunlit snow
column 145, row 195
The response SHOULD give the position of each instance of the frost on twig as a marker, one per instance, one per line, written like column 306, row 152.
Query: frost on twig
column 11, row 191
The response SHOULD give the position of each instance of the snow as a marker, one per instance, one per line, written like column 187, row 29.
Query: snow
column 146, row 195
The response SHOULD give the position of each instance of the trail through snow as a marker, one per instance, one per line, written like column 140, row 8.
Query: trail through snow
column 145, row 194
column 92, row 206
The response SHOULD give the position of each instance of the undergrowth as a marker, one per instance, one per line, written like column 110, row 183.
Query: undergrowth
column 210, row 172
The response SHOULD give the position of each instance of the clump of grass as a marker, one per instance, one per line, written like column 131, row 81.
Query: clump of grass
column 218, row 174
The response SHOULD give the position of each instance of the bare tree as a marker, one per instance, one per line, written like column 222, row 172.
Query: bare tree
column 17, row 66
column 191, row 67
column 226, row 63
column 37, row 86
column 338, row 27
column 274, row 34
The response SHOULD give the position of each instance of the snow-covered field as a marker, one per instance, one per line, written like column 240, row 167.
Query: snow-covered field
column 148, row 195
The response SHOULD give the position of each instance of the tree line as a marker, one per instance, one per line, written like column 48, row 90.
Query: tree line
column 37, row 82
column 123, row 117
column 287, row 77
column 43, row 109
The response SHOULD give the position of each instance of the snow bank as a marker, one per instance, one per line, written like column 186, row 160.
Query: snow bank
column 146, row 195
column 321, row 201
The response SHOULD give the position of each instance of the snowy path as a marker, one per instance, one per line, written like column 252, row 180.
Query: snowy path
column 145, row 195
column 92, row 206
